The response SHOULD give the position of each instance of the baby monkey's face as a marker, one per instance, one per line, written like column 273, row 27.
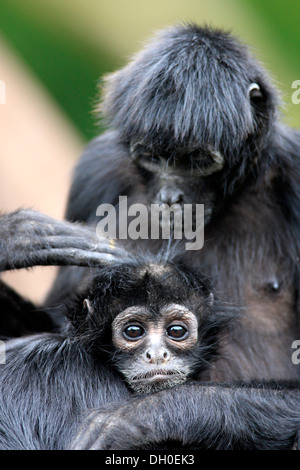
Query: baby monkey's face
column 155, row 350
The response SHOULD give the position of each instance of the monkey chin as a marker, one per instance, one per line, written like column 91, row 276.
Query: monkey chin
column 156, row 383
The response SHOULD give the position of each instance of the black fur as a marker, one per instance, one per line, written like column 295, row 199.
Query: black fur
column 51, row 381
column 27, row 239
column 220, row 416
column 186, row 90
column 185, row 93
column 136, row 283
column 252, row 229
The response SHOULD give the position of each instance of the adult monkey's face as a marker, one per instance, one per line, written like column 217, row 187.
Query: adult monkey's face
column 179, row 180
column 192, row 106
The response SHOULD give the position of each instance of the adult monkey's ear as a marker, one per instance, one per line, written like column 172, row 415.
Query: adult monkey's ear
column 29, row 238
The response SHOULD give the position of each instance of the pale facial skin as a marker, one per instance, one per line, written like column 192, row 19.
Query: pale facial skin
column 157, row 348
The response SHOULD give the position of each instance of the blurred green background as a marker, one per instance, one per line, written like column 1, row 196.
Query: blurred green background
column 69, row 44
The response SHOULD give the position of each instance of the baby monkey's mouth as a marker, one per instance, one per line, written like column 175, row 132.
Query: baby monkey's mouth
column 156, row 379
column 155, row 373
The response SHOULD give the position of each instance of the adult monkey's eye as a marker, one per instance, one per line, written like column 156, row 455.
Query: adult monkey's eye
column 133, row 332
column 255, row 92
column 177, row 332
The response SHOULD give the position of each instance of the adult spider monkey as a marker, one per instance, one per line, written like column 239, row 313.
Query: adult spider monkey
column 193, row 119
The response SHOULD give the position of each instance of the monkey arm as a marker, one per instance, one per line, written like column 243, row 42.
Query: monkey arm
column 46, row 384
column 28, row 238
column 199, row 416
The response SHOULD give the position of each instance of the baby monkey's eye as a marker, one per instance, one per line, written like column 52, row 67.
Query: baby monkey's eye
column 133, row 332
column 177, row 332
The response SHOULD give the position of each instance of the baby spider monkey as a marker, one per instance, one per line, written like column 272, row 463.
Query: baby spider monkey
column 157, row 322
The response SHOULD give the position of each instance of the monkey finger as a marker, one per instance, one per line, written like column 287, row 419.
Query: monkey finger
column 69, row 241
column 59, row 257
column 85, row 436
column 74, row 257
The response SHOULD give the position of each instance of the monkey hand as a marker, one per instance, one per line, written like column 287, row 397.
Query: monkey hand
column 29, row 238
column 111, row 430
